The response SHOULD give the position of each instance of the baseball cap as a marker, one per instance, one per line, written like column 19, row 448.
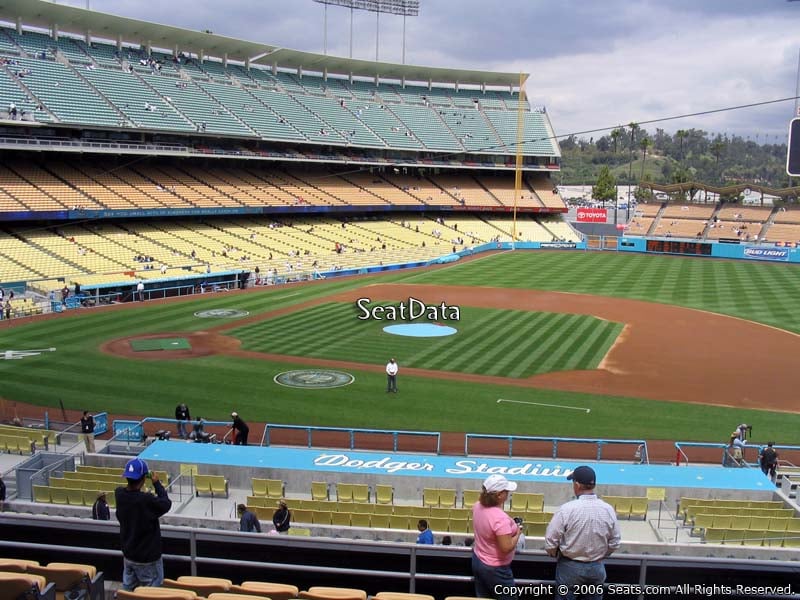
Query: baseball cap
column 136, row 468
column 583, row 475
column 498, row 483
column 234, row 414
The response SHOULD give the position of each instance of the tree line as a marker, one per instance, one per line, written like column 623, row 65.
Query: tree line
column 632, row 154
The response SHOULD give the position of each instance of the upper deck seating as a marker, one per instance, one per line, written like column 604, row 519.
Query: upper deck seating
column 208, row 115
column 472, row 129
column 536, row 137
column 338, row 115
column 426, row 124
column 11, row 92
column 292, row 112
column 253, row 112
column 385, row 123
column 144, row 107
column 64, row 94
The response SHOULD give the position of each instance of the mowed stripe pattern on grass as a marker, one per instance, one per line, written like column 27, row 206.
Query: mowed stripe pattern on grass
column 505, row 343
column 753, row 290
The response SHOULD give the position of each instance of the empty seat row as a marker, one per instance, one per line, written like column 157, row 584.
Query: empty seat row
column 73, row 497
column 628, row 507
column 717, row 521
column 215, row 485
column 752, row 537
column 686, row 502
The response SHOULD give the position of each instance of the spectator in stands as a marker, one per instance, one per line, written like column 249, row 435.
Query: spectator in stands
column 282, row 517
column 100, row 510
column 239, row 429
column 64, row 295
column 425, row 534
column 496, row 536
column 183, row 417
column 2, row 493
column 248, row 521
column 581, row 534
column 768, row 460
column 521, row 539
column 140, row 531
column 87, row 429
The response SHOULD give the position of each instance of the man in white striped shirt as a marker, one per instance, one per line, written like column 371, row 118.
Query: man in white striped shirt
column 581, row 534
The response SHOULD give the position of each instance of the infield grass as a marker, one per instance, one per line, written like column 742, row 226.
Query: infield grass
column 84, row 378
column 506, row 343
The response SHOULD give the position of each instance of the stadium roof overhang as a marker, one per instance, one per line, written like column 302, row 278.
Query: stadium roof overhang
column 75, row 20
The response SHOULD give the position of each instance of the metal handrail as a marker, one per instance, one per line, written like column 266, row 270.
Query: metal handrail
column 640, row 444
column 353, row 431
column 411, row 574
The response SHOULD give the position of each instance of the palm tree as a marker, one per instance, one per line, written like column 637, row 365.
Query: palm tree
column 644, row 145
column 615, row 133
column 681, row 134
column 716, row 149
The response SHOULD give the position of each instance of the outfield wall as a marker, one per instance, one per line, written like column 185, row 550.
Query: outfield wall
column 759, row 252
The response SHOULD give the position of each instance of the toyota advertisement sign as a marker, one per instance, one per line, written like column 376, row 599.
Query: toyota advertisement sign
column 592, row 215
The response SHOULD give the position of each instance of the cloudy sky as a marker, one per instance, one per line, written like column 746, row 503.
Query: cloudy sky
column 593, row 64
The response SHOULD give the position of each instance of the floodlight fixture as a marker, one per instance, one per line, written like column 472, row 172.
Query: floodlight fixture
column 403, row 8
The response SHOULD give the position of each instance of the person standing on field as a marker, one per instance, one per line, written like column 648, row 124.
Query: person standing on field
column 391, row 376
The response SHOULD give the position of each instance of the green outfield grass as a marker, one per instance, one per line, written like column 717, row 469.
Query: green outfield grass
column 507, row 343
column 84, row 378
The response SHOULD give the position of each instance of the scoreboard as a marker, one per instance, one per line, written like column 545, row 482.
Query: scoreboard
column 678, row 247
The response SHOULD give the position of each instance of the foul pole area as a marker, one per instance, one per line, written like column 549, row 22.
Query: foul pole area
column 518, row 163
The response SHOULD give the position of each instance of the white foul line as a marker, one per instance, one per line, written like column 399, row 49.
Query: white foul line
column 586, row 410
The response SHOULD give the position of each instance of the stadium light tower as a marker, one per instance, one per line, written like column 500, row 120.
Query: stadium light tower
column 406, row 8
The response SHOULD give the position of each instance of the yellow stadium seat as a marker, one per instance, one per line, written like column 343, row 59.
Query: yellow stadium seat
column 319, row 490
column 275, row 488
column 470, row 497
column 344, row 492
column 360, row 492
column 384, row 494
column 259, row 486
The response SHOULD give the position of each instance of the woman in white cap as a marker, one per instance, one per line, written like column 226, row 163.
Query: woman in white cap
column 496, row 536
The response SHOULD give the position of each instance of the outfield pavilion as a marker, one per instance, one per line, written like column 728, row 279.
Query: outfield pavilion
column 240, row 137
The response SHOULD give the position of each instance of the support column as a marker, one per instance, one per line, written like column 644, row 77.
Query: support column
column 54, row 31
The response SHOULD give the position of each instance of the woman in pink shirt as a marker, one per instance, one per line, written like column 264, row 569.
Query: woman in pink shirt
column 496, row 536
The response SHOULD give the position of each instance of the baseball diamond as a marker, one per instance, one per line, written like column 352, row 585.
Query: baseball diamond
column 663, row 374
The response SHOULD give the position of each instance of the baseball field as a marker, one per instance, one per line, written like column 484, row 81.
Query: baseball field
column 584, row 344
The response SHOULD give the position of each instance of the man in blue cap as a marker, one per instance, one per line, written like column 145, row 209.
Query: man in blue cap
column 138, row 513
column 581, row 534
